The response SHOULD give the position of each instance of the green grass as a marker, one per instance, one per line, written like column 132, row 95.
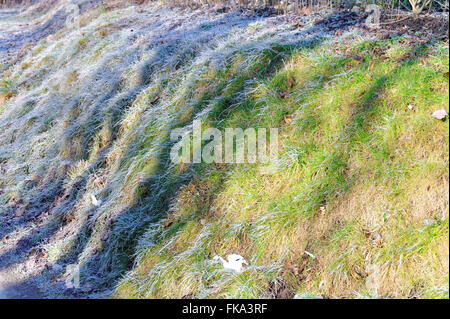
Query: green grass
column 353, row 158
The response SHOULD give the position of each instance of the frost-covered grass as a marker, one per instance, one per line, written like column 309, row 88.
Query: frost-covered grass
column 362, row 184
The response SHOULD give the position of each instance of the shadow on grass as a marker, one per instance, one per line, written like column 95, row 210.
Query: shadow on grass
column 158, row 191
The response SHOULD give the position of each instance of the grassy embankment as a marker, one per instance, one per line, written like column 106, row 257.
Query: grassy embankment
column 362, row 182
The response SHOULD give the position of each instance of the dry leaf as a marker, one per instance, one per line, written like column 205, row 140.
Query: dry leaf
column 167, row 223
column 355, row 274
column 302, row 267
column 293, row 267
column 38, row 252
column 305, row 10
column 35, row 178
column 377, row 240
column 44, row 254
column 287, row 120
column 4, row 97
column 367, row 233
column 440, row 114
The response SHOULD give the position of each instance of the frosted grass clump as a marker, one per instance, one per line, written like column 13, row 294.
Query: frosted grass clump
column 103, row 98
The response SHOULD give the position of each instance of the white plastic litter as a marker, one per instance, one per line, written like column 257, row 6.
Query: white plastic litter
column 96, row 202
column 309, row 254
column 234, row 262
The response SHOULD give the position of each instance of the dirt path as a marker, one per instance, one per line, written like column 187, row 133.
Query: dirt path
column 12, row 286
column 18, row 270
column 22, row 291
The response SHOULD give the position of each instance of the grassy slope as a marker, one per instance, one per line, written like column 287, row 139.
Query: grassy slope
column 362, row 183
column 361, row 177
